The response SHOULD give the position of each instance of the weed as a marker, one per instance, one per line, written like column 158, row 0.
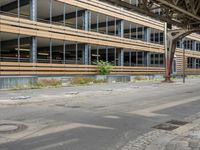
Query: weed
column 85, row 81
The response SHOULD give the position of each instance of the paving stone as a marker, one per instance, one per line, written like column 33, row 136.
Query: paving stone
column 165, row 140
column 171, row 146
column 195, row 149
column 194, row 143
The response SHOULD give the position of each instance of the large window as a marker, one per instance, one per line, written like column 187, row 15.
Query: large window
column 9, row 47
column 134, row 31
column 156, row 60
column 134, row 58
column 16, row 8
column 43, row 50
column 190, row 62
column 156, row 36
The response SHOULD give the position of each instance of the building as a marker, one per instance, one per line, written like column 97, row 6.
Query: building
column 67, row 37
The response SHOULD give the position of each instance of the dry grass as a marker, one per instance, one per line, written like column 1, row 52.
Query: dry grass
column 140, row 78
column 48, row 83
column 84, row 81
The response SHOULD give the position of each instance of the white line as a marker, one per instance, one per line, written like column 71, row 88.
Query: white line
column 111, row 117
column 60, row 128
column 60, row 144
column 40, row 141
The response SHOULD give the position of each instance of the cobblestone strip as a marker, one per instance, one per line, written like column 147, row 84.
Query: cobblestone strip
column 166, row 140
column 143, row 141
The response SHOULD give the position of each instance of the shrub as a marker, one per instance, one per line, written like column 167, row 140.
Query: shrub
column 103, row 68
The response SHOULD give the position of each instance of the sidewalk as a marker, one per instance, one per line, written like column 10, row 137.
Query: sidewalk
column 46, row 94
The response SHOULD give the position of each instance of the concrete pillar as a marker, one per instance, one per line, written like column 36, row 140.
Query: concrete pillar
column 86, row 54
column 147, row 56
column 87, row 20
column 194, row 45
column 33, row 50
column 121, row 57
column 33, row 10
column 33, row 17
column 120, row 28
column 147, row 33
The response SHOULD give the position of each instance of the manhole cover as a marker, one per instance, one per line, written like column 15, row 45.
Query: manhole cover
column 177, row 122
column 165, row 126
column 9, row 128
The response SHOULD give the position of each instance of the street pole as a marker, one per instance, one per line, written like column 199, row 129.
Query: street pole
column 166, row 50
column 183, row 60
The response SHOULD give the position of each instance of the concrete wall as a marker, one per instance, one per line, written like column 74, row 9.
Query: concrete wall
column 9, row 82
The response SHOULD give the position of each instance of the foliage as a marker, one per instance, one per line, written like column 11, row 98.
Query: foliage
column 103, row 68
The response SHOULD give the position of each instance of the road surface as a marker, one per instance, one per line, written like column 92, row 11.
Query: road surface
column 102, row 117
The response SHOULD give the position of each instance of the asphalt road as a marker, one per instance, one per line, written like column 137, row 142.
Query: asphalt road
column 97, row 120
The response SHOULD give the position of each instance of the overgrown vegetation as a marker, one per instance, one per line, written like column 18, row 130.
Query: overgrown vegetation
column 103, row 68
column 140, row 78
column 85, row 81
column 47, row 83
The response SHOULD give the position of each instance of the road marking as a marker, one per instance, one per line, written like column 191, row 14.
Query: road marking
column 36, row 130
column 39, row 141
column 60, row 128
column 112, row 117
column 148, row 112
column 53, row 146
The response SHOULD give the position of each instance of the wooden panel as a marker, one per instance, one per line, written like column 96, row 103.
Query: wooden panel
column 12, row 68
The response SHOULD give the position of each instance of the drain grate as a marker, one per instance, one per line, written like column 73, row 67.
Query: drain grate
column 10, row 128
column 166, row 126
column 177, row 122
column 170, row 125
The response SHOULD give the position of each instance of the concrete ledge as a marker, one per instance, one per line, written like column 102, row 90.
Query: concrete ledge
column 118, row 78
column 8, row 82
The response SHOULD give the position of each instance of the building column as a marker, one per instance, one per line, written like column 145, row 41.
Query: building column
column 194, row 45
column 33, row 10
column 147, row 34
column 121, row 57
column 120, row 28
column 147, row 56
column 86, row 55
column 33, row 50
column 33, row 17
column 87, row 20
column 87, row 25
